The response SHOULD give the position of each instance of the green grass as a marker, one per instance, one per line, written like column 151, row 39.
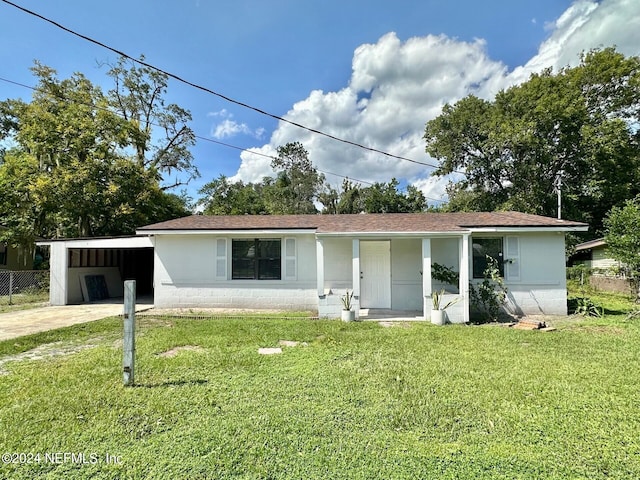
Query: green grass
column 23, row 301
column 359, row 401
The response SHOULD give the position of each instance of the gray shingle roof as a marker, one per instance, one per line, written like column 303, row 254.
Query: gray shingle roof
column 359, row 223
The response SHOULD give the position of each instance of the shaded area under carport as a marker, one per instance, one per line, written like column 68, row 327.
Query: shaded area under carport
column 90, row 269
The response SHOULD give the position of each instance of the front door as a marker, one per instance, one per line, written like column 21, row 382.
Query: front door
column 375, row 267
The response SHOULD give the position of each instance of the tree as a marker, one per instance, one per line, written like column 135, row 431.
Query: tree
column 297, row 188
column 577, row 124
column 67, row 173
column 138, row 97
column 297, row 183
column 222, row 197
column 623, row 238
column 386, row 198
column 350, row 198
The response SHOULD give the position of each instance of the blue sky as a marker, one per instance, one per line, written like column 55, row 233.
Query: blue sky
column 373, row 72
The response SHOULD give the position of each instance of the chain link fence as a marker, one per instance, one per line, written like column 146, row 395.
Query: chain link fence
column 21, row 287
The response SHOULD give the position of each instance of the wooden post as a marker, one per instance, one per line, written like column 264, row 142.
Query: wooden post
column 129, row 343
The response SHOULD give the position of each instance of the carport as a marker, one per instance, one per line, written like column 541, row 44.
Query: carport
column 94, row 269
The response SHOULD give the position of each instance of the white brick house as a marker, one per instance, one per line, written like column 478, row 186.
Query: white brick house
column 307, row 262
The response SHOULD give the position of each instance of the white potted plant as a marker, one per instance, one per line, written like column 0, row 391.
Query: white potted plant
column 348, row 314
column 437, row 312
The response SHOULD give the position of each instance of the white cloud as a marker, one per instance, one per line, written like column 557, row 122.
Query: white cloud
column 254, row 167
column 585, row 25
column 230, row 128
column 396, row 87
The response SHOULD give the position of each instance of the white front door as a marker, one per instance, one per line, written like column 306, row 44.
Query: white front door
column 375, row 282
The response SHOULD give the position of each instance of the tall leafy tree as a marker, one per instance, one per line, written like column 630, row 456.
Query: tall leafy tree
column 578, row 126
column 157, row 131
column 298, row 188
column 297, row 184
column 222, row 197
column 386, row 198
column 623, row 238
column 68, row 172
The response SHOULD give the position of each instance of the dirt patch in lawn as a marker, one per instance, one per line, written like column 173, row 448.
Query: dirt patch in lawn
column 176, row 350
column 46, row 351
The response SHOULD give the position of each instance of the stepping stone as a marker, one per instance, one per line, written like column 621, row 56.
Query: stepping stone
column 288, row 343
column 269, row 351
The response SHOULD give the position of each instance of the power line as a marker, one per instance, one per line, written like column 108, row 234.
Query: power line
column 217, row 94
column 199, row 137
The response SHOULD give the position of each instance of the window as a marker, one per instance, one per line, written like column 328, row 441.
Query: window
column 3, row 254
column 483, row 247
column 256, row 259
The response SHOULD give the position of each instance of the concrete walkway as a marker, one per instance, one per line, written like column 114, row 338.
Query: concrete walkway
column 25, row 322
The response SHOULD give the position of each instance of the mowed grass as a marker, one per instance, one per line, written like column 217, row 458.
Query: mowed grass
column 358, row 401
column 23, row 301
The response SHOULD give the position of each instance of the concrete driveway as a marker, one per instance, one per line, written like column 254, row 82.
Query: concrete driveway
column 25, row 322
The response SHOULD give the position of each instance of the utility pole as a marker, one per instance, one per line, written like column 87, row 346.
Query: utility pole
column 557, row 183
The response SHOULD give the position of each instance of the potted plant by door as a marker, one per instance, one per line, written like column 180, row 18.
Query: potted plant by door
column 437, row 312
column 348, row 315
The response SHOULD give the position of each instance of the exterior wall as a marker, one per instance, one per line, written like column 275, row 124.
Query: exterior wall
column 76, row 288
column 600, row 259
column 58, row 273
column 338, row 277
column 406, row 279
column 338, row 263
column 185, row 276
column 542, row 287
column 446, row 252
column 611, row 284
column 330, row 305
column 17, row 259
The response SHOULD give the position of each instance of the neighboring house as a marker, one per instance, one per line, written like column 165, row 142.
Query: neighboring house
column 307, row 262
column 606, row 273
column 594, row 254
column 13, row 258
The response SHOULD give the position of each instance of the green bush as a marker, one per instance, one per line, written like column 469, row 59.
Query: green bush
column 586, row 307
column 487, row 298
column 579, row 273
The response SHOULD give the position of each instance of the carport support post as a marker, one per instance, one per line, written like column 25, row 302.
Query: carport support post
column 129, row 354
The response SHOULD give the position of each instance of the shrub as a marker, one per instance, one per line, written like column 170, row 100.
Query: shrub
column 487, row 297
column 587, row 308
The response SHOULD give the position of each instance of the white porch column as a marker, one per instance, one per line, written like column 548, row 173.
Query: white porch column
column 355, row 271
column 427, row 288
column 464, row 275
column 320, row 266
column 59, row 272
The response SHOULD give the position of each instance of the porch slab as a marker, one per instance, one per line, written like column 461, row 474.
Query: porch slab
column 377, row 314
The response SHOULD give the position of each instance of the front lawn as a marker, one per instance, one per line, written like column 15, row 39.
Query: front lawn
column 353, row 401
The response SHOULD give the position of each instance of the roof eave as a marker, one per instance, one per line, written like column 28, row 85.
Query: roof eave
column 529, row 229
column 235, row 231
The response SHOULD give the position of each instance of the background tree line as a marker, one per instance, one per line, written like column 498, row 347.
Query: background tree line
column 297, row 188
